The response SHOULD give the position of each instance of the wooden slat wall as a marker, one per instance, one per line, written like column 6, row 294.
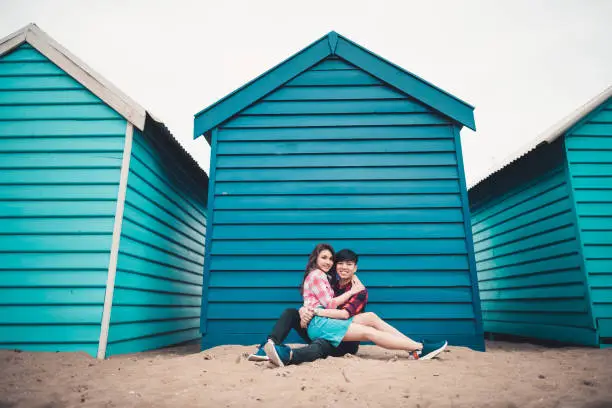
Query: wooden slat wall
column 589, row 153
column 60, row 159
column 529, row 264
column 158, row 287
column 337, row 156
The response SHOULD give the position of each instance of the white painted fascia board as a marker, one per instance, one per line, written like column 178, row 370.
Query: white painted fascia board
column 78, row 70
column 550, row 135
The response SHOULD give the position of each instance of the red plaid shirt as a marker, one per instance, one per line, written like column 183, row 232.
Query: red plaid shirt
column 318, row 292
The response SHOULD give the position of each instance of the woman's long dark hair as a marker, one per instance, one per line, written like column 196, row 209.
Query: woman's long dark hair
column 312, row 261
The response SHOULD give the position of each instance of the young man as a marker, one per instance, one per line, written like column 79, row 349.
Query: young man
column 346, row 261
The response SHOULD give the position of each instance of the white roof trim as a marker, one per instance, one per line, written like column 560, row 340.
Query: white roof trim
column 550, row 135
column 77, row 69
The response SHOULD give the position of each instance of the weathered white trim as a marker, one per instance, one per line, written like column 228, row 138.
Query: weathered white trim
column 550, row 135
column 114, row 252
column 77, row 69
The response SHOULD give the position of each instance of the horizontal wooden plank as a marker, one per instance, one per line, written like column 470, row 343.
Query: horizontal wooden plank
column 595, row 183
column 58, row 260
column 587, row 143
column 333, row 64
column 193, row 264
column 592, row 169
column 51, row 296
column 338, row 201
column 25, row 244
column 152, row 342
column 605, row 327
column 51, row 97
column 590, row 156
column 126, row 314
column 594, row 129
column 356, row 173
column 568, row 291
column 324, row 232
column 324, row 93
column 564, row 262
column 145, row 268
column 30, row 69
column 602, row 309
column 603, row 116
column 416, row 246
column 336, row 107
column 337, row 160
column 70, row 334
column 51, row 314
column 546, row 318
column 595, row 266
column 53, row 277
column 595, row 223
column 601, row 295
column 521, row 194
column 339, row 216
column 38, row 83
column 104, row 144
column 60, row 176
column 176, row 244
column 342, row 147
column 58, row 192
column 556, row 250
column 375, row 263
column 497, row 249
column 57, row 225
column 353, row 133
column 594, row 251
column 370, row 274
column 336, row 187
column 147, row 282
column 334, row 78
column 24, row 54
column 146, row 298
column 396, row 311
column 602, row 280
column 539, row 221
column 575, row 305
column 572, row 335
column 40, row 112
column 127, row 331
column 157, row 219
column 43, row 160
column 597, row 238
column 375, row 295
column 38, row 209
column 53, row 128
column 593, row 196
column 539, row 279
column 594, row 209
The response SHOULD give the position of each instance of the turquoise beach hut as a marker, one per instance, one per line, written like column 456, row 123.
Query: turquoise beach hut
column 338, row 145
column 102, row 215
column 542, row 226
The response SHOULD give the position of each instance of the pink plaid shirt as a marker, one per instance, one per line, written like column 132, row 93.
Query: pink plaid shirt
column 317, row 290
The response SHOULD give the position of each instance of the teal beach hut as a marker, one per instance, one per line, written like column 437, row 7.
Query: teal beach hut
column 338, row 145
column 542, row 227
column 102, row 215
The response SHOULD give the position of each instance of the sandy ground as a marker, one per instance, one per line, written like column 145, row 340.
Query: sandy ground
column 507, row 375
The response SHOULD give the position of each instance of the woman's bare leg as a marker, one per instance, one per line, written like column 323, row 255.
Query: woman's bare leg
column 372, row 320
column 359, row 332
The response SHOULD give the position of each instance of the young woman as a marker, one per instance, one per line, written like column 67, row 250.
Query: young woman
column 333, row 325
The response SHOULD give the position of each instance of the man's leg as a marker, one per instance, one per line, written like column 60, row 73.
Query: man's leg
column 290, row 319
column 319, row 348
column 346, row 347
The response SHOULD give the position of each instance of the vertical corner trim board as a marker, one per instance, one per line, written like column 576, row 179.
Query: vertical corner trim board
column 114, row 253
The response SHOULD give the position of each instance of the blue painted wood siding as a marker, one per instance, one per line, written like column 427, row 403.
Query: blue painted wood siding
column 530, row 270
column 337, row 156
column 589, row 154
column 158, row 288
column 60, row 158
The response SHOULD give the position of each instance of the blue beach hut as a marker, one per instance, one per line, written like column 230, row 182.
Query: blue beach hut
column 338, row 145
column 102, row 215
column 542, row 227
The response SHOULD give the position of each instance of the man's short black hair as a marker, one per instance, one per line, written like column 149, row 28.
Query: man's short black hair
column 345, row 255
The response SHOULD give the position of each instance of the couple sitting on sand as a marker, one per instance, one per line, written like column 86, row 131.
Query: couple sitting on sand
column 332, row 320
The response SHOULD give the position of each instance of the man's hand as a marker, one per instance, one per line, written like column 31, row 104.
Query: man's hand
column 305, row 316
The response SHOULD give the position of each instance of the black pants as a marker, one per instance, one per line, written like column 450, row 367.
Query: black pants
column 319, row 348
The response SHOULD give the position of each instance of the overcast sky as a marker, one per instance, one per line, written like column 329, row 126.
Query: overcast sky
column 524, row 65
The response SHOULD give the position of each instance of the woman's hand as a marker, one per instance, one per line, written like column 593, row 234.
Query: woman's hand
column 305, row 316
column 356, row 285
